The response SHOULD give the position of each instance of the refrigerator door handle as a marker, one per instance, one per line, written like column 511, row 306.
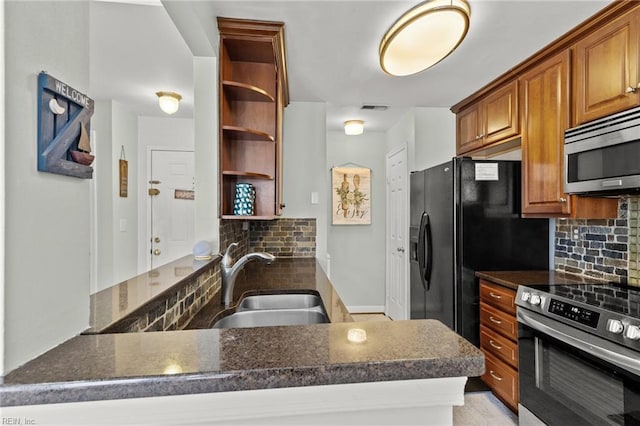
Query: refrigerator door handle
column 420, row 251
column 429, row 256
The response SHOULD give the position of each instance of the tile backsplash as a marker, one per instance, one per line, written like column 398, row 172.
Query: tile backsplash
column 284, row 237
column 601, row 248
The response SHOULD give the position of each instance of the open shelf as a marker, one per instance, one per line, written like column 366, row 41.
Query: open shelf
column 246, row 92
column 243, row 133
column 247, row 174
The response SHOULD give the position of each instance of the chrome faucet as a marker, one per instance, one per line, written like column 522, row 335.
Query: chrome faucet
column 229, row 271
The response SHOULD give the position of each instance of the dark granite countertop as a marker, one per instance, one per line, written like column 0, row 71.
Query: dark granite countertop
column 283, row 274
column 513, row 279
column 115, row 303
column 116, row 366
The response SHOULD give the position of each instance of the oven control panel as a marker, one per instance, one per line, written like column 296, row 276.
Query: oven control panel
column 575, row 313
column 622, row 329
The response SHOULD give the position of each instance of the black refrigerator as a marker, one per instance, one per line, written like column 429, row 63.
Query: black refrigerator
column 465, row 217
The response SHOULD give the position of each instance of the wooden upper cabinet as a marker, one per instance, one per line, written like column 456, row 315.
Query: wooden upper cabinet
column 545, row 117
column 253, row 92
column 494, row 118
column 468, row 129
column 501, row 120
column 545, row 98
column 607, row 77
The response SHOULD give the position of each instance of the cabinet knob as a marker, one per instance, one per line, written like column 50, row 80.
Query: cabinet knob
column 631, row 89
column 563, row 200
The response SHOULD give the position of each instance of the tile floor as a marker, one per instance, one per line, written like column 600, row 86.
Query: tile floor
column 479, row 409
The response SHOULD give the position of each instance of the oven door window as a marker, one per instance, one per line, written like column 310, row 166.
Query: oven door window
column 605, row 162
column 564, row 386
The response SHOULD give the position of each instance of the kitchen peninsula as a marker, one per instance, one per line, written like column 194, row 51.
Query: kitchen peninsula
column 403, row 371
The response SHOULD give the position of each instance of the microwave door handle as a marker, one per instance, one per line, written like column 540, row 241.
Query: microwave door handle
column 629, row 364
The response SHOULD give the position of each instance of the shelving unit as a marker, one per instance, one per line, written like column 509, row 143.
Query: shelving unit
column 253, row 94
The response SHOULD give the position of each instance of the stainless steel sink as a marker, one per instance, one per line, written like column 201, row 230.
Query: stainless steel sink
column 280, row 301
column 272, row 317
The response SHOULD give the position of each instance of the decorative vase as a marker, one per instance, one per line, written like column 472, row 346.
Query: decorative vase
column 244, row 201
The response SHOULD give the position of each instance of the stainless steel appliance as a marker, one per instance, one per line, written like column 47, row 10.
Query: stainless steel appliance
column 579, row 354
column 603, row 156
column 465, row 216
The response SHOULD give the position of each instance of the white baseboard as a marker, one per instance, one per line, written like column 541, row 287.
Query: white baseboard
column 364, row 309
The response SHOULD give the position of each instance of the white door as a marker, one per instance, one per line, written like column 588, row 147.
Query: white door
column 397, row 230
column 172, row 208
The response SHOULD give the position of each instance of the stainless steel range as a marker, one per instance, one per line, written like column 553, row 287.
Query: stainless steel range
column 579, row 354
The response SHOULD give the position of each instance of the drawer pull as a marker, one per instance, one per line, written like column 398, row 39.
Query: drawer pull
column 495, row 376
column 495, row 321
column 495, row 296
column 494, row 345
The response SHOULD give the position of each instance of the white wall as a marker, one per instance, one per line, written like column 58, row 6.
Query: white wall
column 435, row 137
column 2, row 240
column 155, row 132
column 403, row 133
column 47, row 215
column 305, row 168
column 102, row 126
column 358, row 251
column 117, row 251
column 125, row 242
column 205, row 71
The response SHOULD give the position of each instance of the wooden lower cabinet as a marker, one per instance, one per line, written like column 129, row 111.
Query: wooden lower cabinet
column 503, row 381
column 499, row 341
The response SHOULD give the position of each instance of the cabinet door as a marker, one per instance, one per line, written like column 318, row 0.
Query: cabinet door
column 468, row 129
column 607, row 69
column 500, row 114
column 545, row 117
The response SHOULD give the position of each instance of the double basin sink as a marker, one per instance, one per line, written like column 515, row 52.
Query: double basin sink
column 274, row 309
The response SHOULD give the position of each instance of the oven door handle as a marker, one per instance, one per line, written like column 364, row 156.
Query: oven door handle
column 630, row 364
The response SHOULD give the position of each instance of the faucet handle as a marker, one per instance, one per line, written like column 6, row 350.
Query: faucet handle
column 226, row 259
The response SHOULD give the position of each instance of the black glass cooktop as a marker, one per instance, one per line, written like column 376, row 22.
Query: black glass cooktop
column 614, row 297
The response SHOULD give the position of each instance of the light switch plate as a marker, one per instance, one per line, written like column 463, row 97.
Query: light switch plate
column 315, row 198
column 123, row 225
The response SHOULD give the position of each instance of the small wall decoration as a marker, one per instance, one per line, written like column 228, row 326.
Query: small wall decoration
column 64, row 123
column 351, row 189
column 184, row 194
column 123, row 173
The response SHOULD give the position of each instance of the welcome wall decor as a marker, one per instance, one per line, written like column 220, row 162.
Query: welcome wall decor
column 64, row 123
column 351, row 189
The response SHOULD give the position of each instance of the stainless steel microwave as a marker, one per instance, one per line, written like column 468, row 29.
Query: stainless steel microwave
column 603, row 156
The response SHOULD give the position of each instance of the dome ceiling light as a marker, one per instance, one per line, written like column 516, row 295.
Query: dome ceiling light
column 169, row 101
column 353, row 127
column 424, row 36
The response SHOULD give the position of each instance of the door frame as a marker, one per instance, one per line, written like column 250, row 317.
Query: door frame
column 144, row 224
column 405, row 209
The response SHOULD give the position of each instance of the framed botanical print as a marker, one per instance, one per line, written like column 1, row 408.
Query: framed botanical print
column 351, row 195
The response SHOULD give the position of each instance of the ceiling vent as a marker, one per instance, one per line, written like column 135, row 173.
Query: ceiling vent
column 375, row 107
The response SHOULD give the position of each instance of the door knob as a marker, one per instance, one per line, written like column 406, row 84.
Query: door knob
column 400, row 249
column 156, row 252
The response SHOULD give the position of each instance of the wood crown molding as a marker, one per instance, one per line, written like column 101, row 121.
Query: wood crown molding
column 609, row 13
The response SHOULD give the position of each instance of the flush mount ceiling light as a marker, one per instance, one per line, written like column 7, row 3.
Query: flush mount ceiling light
column 424, row 36
column 169, row 101
column 353, row 127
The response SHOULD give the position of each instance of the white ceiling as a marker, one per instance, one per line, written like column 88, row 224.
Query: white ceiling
column 332, row 50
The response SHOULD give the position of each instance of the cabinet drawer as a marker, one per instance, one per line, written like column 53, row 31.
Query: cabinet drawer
column 498, row 345
column 503, row 381
column 503, row 323
column 498, row 296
